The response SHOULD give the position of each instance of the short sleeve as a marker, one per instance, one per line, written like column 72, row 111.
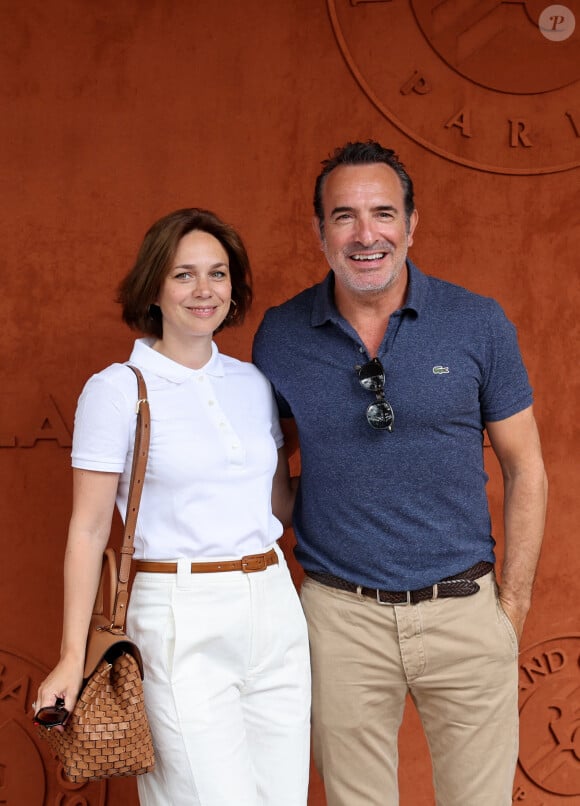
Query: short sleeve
column 263, row 357
column 102, row 427
column 277, row 433
column 506, row 389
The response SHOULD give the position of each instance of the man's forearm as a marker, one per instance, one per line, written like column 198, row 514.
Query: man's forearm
column 524, row 518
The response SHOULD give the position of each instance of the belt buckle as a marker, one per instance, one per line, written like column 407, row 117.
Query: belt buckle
column 394, row 604
column 253, row 562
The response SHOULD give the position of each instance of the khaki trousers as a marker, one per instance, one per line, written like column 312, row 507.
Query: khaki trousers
column 457, row 658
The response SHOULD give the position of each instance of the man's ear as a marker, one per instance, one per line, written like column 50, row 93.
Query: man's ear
column 317, row 231
column 413, row 221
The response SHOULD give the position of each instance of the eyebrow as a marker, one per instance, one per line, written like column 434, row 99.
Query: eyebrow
column 378, row 208
column 217, row 265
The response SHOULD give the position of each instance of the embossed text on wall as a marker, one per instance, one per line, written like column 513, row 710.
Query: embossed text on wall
column 478, row 83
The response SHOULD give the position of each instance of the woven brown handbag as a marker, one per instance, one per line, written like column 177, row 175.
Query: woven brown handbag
column 107, row 734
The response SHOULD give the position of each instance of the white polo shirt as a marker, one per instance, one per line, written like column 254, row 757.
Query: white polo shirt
column 213, row 452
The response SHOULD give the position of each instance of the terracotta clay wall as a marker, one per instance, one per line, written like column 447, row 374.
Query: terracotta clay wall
column 118, row 112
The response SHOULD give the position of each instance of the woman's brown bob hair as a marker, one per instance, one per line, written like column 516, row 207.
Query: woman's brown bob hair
column 140, row 289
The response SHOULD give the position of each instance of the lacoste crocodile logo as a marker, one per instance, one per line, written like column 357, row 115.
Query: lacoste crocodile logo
column 439, row 370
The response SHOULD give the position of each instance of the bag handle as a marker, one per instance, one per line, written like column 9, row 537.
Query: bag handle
column 140, row 454
column 110, row 560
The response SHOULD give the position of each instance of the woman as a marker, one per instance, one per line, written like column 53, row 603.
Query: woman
column 225, row 652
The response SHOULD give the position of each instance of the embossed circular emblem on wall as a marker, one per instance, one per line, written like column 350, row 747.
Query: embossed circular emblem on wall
column 29, row 776
column 549, row 760
column 477, row 83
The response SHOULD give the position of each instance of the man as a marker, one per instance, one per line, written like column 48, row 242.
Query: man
column 391, row 377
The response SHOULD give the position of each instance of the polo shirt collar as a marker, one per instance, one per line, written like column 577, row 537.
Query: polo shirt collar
column 417, row 289
column 150, row 360
column 325, row 310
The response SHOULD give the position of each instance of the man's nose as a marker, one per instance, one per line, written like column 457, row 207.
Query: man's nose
column 365, row 231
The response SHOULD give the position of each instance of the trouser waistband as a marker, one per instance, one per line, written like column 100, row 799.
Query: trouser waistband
column 462, row 584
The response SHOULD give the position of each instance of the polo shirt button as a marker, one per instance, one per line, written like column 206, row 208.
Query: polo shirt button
column 200, row 378
column 211, row 402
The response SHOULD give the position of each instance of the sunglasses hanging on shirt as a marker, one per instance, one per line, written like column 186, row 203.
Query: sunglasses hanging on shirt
column 380, row 414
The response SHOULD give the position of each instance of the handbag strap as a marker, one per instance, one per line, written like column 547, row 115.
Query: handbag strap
column 140, row 454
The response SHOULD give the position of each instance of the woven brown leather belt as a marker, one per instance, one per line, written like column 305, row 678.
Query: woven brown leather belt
column 248, row 564
column 462, row 584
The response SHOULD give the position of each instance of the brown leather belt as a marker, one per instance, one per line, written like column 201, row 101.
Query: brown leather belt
column 248, row 564
column 462, row 584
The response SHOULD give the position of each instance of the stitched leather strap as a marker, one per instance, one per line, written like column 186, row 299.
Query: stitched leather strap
column 140, row 454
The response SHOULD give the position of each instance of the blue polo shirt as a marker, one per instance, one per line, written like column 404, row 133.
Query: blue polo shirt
column 399, row 510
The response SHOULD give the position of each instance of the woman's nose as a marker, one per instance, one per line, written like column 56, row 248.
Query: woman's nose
column 202, row 287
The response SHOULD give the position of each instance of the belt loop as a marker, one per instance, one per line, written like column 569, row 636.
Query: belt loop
column 435, row 592
column 184, row 575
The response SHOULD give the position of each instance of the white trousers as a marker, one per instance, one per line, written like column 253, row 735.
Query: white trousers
column 227, row 687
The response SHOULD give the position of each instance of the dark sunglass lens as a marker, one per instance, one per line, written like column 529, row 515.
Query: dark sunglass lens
column 380, row 415
column 51, row 716
column 372, row 376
